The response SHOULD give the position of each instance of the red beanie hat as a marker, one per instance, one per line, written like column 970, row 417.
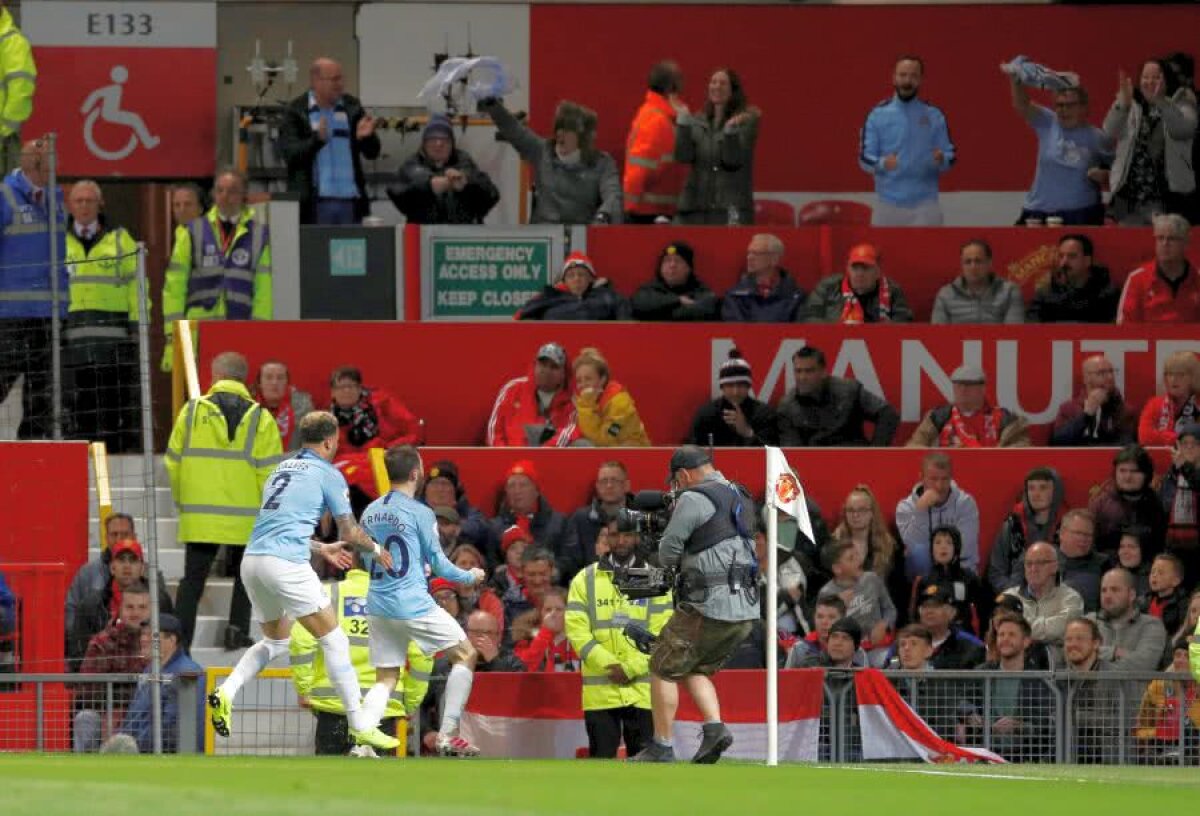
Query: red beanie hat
column 439, row 584
column 523, row 467
column 515, row 533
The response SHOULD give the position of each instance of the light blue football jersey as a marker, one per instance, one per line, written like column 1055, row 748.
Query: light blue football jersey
column 295, row 497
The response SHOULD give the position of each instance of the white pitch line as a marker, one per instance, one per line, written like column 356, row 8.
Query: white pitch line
column 966, row 774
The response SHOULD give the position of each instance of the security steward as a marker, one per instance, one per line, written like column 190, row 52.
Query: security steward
column 616, row 674
column 222, row 450
column 349, row 601
column 100, row 336
column 709, row 539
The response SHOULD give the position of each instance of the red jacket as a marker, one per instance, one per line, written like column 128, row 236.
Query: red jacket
column 397, row 425
column 541, row 653
column 517, row 408
column 1152, row 430
column 653, row 179
column 1147, row 297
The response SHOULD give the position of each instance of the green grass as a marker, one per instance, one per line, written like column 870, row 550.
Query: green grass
column 46, row 785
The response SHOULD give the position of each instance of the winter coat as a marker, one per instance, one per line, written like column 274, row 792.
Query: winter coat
column 972, row 603
column 415, row 198
column 722, row 169
column 658, row 301
column 517, row 421
column 743, row 304
column 1150, row 431
column 1171, row 609
column 916, row 529
column 1178, row 113
column 835, row 415
column 652, row 180
column 1141, row 636
column 1083, row 574
column 598, row 302
column 1017, row 532
column 1014, row 430
column 610, row 418
column 1114, row 511
column 1115, row 424
column 709, row 427
column 826, row 303
column 1000, row 303
column 1183, row 537
column 959, row 652
column 397, row 425
column 1057, row 301
column 1048, row 616
column 547, row 526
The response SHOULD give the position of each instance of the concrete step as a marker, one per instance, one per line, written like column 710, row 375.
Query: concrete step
column 129, row 470
column 210, row 630
column 135, row 501
column 218, row 592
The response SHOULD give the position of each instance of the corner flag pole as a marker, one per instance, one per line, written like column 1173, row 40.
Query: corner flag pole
column 772, row 626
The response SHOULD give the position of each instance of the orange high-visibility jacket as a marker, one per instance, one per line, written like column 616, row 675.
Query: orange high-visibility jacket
column 653, row 179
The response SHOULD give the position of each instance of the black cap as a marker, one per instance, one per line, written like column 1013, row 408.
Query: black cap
column 1010, row 602
column 169, row 624
column 848, row 626
column 688, row 457
column 928, row 591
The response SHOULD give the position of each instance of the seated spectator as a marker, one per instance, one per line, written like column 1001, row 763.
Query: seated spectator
column 474, row 596
column 827, row 411
column 841, row 649
column 675, row 293
column 936, row 501
column 1080, row 566
column 1188, row 627
column 953, row 647
column 610, row 493
column 718, row 142
column 445, row 595
column 441, row 184
column 1131, row 557
column 973, row 606
column 537, row 578
column 535, row 410
column 443, row 487
column 115, row 650
column 1048, row 604
column 448, row 527
column 512, row 547
column 1068, row 147
column 1019, row 711
column 767, row 293
column 575, row 182
column 1130, row 640
column 367, row 418
column 791, row 587
column 735, row 419
column 1167, row 289
column 605, row 413
column 914, row 647
column 543, row 646
column 1180, row 496
column 865, row 595
column 862, row 295
column 96, row 574
column 1165, row 706
column 861, row 523
column 1078, row 290
column 274, row 391
column 1011, row 607
column 1128, row 499
column 174, row 659
column 1168, row 600
column 1164, row 415
column 828, row 611
column 1098, row 415
column 1034, row 518
column 577, row 295
column 970, row 421
column 978, row 295
column 522, row 504
column 1093, row 700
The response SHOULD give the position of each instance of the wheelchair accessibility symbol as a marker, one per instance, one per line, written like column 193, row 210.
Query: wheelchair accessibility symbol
column 105, row 103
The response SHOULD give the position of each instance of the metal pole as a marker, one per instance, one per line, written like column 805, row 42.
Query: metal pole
column 51, row 199
column 772, row 627
column 150, row 487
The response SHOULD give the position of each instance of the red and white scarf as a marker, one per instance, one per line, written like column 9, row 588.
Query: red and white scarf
column 852, row 310
column 285, row 415
column 955, row 432
column 1171, row 420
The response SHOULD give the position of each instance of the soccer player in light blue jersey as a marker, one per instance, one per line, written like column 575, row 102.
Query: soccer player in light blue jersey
column 399, row 606
column 282, row 584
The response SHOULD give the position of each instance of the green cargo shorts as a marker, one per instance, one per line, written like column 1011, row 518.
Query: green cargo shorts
column 693, row 644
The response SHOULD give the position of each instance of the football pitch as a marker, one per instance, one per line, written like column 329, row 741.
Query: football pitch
column 47, row 785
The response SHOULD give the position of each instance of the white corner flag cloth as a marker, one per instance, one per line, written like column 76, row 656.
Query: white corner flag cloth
column 785, row 491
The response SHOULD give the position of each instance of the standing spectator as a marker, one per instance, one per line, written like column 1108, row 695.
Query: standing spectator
column 605, row 412
column 441, row 184
column 546, row 648
column 1131, row 557
column 1068, row 147
column 1048, row 604
column 862, row 524
column 1078, row 290
column 523, row 504
column 174, row 662
column 96, row 574
column 970, row 421
column 20, row 82
column 905, row 144
column 954, row 649
column 114, row 650
column 653, row 179
column 1167, row 289
column 1130, row 640
column 719, row 145
column 675, row 294
column 578, row 295
column 323, row 139
column 1034, row 518
column 766, row 293
column 978, row 295
column 1098, row 415
column 101, row 378
column 735, row 419
column 864, row 593
column 936, row 501
column 862, row 295
column 536, row 409
column 1180, row 496
column 26, row 299
column 187, row 204
column 1127, row 499
column 1080, row 566
column 217, row 495
column 574, row 183
column 1152, row 127
column 1166, row 707
column 827, row 411
column 1167, row 601
column 443, row 487
column 609, row 495
column 273, row 390
column 972, row 605
column 1177, row 406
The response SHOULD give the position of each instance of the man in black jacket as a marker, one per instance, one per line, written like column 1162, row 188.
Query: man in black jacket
column 736, row 419
column 823, row 410
column 323, row 138
column 1078, row 290
column 441, row 184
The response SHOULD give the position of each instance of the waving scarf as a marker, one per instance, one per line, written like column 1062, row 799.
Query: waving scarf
column 852, row 310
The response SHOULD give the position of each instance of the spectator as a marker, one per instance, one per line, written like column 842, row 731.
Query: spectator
column 220, row 267
column 324, row 136
column 96, row 574
column 16, row 62
column 1019, row 710
column 368, row 417
column 1048, row 604
column 806, row 552
column 1034, row 518
column 610, row 494
column 1128, row 498
column 970, row 421
column 953, row 647
column 1152, row 127
column 1191, row 620
column 574, row 182
column 445, row 595
column 1180, row 496
column 767, row 293
column 972, row 606
column 653, row 179
column 1166, row 706
column 1068, row 147
column 719, row 145
column 864, row 593
column 841, row 649
column 536, row 409
column 115, row 650
column 1167, row 289
column 273, row 390
column 512, row 547
column 1080, row 566
column 1168, row 600
column 675, row 294
column 537, row 578
column 448, row 527
column 914, row 648
column 936, row 501
column 978, row 295
column 578, row 295
column 1130, row 640
column 1011, row 607
column 1164, row 415
column 828, row 611
column 1078, row 290
column 187, row 204
column 544, row 647
column 791, row 584
column 522, row 503
column 1093, row 700
column 443, row 487
column 472, row 597
column 1098, row 415
column 1130, row 557
column 606, row 415
column 441, row 184
column 861, row 522
column 862, row 295
column 735, row 419
column 827, row 411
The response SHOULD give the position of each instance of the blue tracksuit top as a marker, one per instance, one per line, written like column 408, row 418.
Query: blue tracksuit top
column 911, row 130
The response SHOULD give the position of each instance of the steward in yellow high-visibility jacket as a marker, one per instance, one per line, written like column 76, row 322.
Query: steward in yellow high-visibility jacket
column 222, row 450
column 18, row 81
column 616, row 675
column 349, row 600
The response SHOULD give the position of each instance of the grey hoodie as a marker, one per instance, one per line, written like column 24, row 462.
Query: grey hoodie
column 1000, row 303
column 1018, row 531
column 915, row 528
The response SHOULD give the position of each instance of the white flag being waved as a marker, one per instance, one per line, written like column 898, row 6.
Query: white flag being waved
column 785, row 491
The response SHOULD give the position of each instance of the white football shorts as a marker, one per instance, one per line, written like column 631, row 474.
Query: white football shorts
column 279, row 588
column 389, row 637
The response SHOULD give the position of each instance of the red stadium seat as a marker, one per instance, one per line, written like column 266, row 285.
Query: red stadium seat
column 774, row 213
column 835, row 212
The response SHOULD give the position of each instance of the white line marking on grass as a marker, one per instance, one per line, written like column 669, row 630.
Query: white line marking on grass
column 967, row 774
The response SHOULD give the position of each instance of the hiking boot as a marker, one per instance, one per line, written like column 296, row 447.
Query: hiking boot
column 653, row 752
column 716, row 741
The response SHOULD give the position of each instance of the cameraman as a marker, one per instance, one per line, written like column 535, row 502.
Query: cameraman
column 710, row 541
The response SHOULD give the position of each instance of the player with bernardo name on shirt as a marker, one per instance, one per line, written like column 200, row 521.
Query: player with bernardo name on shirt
column 282, row 584
column 399, row 606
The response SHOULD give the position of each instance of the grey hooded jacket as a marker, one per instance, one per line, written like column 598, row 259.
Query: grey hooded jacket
column 1000, row 303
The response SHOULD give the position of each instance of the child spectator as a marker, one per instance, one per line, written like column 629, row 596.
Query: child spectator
column 972, row 605
column 540, row 639
column 1167, row 599
column 830, row 609
column 606, row 413
column 864, row 593
column 1166, row 705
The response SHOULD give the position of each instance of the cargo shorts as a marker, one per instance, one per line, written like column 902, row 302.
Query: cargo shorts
column 693, row 644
